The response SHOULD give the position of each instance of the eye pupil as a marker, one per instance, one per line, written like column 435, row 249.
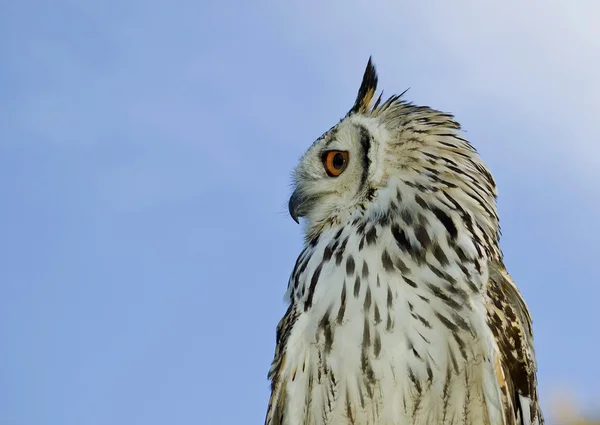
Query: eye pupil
column 338, row 161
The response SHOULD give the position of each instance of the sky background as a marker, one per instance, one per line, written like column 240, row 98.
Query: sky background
column 146, row 150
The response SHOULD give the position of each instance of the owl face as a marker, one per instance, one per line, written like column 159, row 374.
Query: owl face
column 335, row 176
column 382, row 151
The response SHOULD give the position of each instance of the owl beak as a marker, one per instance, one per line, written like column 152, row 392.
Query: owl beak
column 300, row 204
column 294, row 205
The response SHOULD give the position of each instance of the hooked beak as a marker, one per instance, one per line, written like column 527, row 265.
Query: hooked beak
column 300, row 204
column 294, row 205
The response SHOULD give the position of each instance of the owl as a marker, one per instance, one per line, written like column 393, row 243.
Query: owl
column 401, row 311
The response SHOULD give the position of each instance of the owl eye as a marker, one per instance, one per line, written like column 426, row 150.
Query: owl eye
column 335, row 162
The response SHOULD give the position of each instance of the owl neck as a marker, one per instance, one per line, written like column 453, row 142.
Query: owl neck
column 422, row 220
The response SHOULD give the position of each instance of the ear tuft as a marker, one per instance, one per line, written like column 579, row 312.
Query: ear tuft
column 366, row 91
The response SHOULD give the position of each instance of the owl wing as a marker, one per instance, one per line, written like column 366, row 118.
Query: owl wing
column 516, row 367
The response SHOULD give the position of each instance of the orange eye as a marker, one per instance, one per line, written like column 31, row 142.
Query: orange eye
column 335, row 162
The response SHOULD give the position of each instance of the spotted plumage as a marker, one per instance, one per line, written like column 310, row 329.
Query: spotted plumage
column 401, row 311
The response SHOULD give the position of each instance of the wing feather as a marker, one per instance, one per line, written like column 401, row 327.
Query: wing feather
column 511, row 325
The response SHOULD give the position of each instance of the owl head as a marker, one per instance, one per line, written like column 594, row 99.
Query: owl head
column 391, row 157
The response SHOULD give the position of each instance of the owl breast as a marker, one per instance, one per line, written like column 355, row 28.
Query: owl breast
column 391, row 329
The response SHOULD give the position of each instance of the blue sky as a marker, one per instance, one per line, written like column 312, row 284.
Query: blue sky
column 146, row 150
